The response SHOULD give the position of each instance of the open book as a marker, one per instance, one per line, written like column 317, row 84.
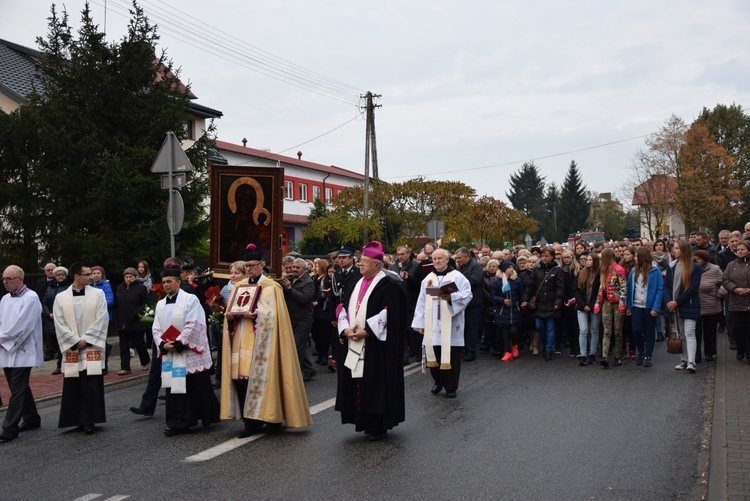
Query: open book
column 448, row 288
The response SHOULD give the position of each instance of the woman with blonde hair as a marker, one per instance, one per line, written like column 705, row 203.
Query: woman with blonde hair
column 571, row 267
column 588, row 321
column 611, row 302
column 681, row 292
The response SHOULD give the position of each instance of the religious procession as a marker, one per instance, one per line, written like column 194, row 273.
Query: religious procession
column 238, row 349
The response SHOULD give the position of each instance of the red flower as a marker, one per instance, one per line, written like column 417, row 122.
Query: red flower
column 212, row 291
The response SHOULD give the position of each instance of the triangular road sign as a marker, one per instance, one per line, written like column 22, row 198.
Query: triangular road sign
column 171, row 148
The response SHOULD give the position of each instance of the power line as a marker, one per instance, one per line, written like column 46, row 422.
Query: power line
column 505, row 164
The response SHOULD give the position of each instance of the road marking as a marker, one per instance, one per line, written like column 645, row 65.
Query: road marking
column 88, row 497
column 234, row 443
column 116, row 498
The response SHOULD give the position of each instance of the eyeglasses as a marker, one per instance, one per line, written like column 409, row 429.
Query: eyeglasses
column 84, row 274
column 252, row 265
column 8, row 279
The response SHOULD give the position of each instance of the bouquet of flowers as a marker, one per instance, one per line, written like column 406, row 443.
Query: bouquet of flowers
column 147, row 316
column 216, row 303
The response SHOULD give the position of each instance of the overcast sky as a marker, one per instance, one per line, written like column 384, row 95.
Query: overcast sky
column 464, row 85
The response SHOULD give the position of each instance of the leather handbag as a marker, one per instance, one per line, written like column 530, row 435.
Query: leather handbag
column 674, row 341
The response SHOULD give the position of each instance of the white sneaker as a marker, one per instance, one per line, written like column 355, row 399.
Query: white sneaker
column 691, row 368
column 682, row 366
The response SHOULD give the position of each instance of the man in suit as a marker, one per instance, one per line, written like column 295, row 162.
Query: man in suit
column 299, row 291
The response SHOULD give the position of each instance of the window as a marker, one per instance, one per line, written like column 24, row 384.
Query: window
column 190, row 129
column 316, row 193
column 302, row 192
column 288, row 190
column 329, row 195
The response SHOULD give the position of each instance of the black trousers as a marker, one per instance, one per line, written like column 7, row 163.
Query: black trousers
column 150, row 396
column 705, row 334
column 240, row 386
column 21, row 404
column 448, row 379
column 741, row 325
column 137, row 340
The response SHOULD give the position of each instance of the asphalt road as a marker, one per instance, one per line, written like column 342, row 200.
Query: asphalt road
column 526, row 430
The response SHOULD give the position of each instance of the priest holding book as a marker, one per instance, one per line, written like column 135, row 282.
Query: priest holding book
column 372, row 326
column 180, row 334
column 443, row 297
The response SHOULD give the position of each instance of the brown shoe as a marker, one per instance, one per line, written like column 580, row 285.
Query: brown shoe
column 123, row 373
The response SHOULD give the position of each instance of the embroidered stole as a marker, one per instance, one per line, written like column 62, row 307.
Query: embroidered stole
column 355, row 357
column 90, row 358
column 173, row 366
column 445, row 327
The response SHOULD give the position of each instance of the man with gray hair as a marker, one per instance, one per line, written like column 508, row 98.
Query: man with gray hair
column 473, row 272
column 20, row 350
column 299, row 292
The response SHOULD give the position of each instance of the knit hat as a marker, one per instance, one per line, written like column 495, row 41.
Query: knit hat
column 130, row 271
column 94, row 268
column 505, row 265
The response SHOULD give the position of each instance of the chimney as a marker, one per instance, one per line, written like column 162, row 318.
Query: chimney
column 244, row 142
column 299, row 155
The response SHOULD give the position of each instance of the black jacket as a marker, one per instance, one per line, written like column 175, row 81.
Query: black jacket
column 131, row 301
column 548, row 286
column 475, row 275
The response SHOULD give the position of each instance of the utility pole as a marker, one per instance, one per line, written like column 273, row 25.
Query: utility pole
column 371, row 152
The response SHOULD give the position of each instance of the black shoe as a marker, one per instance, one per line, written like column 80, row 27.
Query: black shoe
column 173, row 432
column 307, row 377
column 721, row 329
column 604, row 362
column 405, row 362
column 89, row 429
column 469, row 358
column 639, row 359
column 647, row 362
column 450, row 394
column 30, row 425
column 7, row 436
column 732, row 346
column 141, row 411
column 709, row 358
column 592, row 359
column 436, row 389
column 374, row 436
column 484, row 347
column 47, row 358
column 105, row 372
column 161, row 397
column 582, row 361
column 660, row 337
column 739, row 355
column 698, row 359
column 547, row 356
column 216, row 385
column 272, row 428
column 618, row 362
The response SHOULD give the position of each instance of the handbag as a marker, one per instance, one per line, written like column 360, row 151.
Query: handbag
column 532, row 302
column 674, row 341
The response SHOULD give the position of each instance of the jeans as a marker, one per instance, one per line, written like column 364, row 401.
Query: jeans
column 546, row 329
column 644, row 330
column 687, row 329
column 588, row 324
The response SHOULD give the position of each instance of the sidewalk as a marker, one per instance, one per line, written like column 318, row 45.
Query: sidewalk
column 729, row 471
column 45, row 386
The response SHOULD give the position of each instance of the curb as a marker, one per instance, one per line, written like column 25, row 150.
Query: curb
column 717, row 472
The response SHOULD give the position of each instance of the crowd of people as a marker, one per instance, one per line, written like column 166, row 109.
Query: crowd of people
column 367, row 314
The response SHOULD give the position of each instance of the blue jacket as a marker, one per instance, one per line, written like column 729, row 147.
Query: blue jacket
column 688, row 301
column 104, row 286
column 507, row 315
column 654, row 290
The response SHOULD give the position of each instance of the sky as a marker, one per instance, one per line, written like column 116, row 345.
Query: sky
column 469, row 91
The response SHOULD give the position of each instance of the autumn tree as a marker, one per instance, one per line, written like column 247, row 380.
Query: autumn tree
column 399, row 211
column 707, row 192
column 494, row 223
column 730, row 128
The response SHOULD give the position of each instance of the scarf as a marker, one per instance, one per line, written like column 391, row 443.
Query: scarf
column 173, row 365
column 445, row 326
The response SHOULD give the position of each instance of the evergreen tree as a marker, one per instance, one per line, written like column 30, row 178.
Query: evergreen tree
column 526, row 193
column 100, row 120
column 549, row 223
column 574, row 206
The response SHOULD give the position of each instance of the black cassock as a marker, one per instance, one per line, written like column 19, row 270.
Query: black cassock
column 376, row 400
